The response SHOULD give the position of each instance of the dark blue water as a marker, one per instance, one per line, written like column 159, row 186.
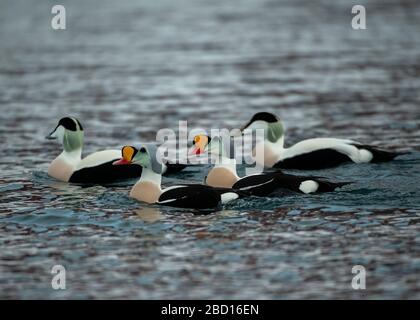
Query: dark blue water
column 130, row 69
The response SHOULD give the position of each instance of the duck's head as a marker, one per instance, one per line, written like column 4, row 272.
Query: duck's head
column 200, row 143
column 270, row 123
column 145, row 156
column 213, row 146
column 69, row 132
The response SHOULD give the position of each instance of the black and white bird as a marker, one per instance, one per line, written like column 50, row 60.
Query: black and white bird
column 94, row 168
column 148, row 188
column 310, row 154
column 224, row 174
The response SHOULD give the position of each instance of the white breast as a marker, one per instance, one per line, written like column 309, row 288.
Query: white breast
column 61, row 169
column 221, row 177
column 64, row 165
column 146, row 191
column 271, row 154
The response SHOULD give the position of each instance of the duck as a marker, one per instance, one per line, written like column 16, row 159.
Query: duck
column 224, row 174
column 69, row 166
column 310, row 154
column 148, row 188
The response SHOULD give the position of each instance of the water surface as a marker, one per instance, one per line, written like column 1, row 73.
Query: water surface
column 127, row 70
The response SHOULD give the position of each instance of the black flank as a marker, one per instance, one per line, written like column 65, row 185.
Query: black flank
column 106, row 173
column 319, row 159
column 194, row 196
column 264, row 183
column 279, row 184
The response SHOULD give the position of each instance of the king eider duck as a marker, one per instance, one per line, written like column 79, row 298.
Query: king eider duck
column 96, row 167
column 310, row 154
column 224, row 174
column 148, row 188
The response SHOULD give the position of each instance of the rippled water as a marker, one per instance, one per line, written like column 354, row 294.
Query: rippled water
column 131, row 69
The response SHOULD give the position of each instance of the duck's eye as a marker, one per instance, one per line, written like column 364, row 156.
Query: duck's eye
column 142, row 150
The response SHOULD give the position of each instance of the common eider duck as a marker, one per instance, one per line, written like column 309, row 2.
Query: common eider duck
column 224, row 174
column 148, row 188
column 96, row 167
column 310, row 154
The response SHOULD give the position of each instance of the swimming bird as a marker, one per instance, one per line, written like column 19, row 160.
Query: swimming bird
column 96, row 167
column 148, row 188
column 224, row 174
column 310, row 154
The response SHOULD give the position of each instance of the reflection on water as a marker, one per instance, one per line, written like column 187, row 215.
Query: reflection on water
column 144, row 65
column 149, row 214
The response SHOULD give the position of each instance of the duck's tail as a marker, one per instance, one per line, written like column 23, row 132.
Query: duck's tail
column 380, row 155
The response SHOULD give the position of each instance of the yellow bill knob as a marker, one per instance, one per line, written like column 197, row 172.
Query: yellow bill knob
column 128, row 153
column 200, row 142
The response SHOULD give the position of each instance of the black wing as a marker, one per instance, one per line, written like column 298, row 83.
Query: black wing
column 319, row 159
column 293, row 182
column 257, row 185
column 106, row 173
column 278, row 183
column 190, row 196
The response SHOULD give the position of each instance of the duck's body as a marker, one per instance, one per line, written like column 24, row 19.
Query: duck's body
column 321, row 153
column 279, row 183
column 197, row 196
column 148, row 188
column 97, row 167
column 224, row 174
column 310, row 154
